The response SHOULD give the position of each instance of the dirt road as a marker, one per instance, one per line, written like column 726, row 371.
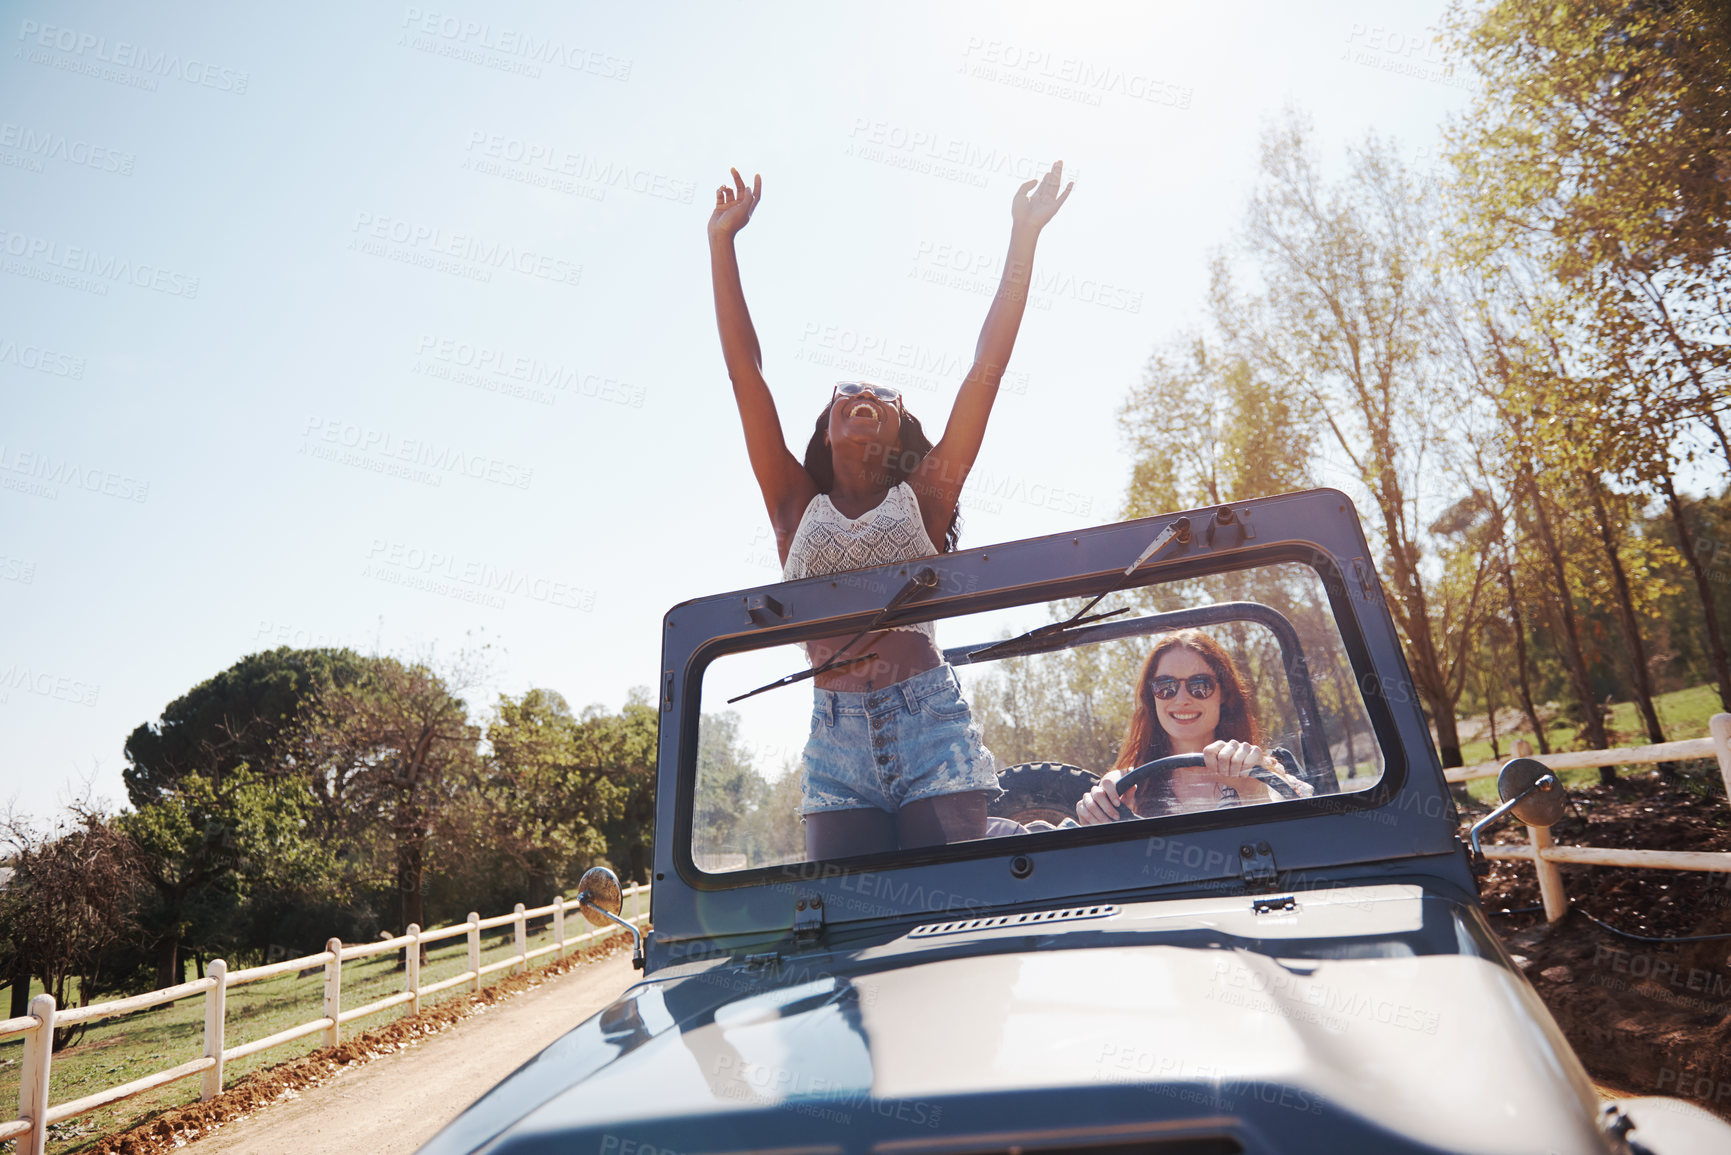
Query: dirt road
column 397, row 1102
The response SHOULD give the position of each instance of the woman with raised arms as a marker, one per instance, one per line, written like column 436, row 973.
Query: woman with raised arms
column 894, row 758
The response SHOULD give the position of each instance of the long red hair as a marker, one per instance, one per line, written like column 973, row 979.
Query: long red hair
column 1146, row 739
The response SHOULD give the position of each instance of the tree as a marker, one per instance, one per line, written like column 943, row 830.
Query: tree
column 245, row 715
column 207, row 846
column 1346, row 316
column 389, row 754
column 66, row 903
column 1600, row 150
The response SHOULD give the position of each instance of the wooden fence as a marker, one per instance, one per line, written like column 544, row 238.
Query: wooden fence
column 1545, row 854
column 35, row 1114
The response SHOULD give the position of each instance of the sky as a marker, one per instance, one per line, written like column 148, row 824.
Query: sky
column 390, row 326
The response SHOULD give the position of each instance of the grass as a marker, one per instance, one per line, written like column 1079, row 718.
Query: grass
column 1682, row 714
column 119, row 1050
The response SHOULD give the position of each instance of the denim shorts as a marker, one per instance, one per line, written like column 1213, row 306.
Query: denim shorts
column 886, row 748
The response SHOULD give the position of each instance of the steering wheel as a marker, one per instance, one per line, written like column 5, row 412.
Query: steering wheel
column 1141, row 774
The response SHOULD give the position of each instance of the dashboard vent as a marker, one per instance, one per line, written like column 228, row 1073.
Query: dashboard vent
column 1005, row 921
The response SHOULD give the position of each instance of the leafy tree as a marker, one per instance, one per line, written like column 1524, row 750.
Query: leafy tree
column 389, row 756
column 245, row 715
column 206, row 846
column 66, row 904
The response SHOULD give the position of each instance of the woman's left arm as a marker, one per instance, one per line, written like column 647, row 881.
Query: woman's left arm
column 938, row 482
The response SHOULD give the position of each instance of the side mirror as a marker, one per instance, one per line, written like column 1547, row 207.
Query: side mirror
column 1534, row 803
column 1531, row 791
column 598, row 895
column 600, row 900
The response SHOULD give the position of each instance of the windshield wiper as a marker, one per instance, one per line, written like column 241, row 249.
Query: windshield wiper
column 1179, row 529
column 924, row 579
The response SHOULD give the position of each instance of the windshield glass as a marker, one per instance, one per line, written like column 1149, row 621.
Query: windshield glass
column 1236, row 686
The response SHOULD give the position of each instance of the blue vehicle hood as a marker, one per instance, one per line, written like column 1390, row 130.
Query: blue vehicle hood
column 1324, row 1028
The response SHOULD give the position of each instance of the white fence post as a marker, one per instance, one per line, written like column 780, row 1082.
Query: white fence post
column 475, row 950
column 412, row 983
column 559, row 925
column 33, row 1078
column 1550, row 877
column 333, row 990
column 215, row 1007
column 1719, row 725
column 521, row 929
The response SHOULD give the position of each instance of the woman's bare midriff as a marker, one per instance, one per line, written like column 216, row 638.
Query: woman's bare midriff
column 900, row 655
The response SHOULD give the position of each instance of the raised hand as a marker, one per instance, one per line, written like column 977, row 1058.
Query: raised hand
column 734, row 206
column 1034, row 211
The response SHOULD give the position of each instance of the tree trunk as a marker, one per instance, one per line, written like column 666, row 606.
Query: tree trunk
column 1704, row 588
column 167, row 961
column 410, row 863
column 1522, row 678
column 20, row 991
column 1583, row 685
column 1643, row 679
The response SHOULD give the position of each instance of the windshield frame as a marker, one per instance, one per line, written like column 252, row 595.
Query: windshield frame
column 956, row 597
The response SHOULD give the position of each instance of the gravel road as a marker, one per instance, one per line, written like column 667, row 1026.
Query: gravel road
column 393, row 1104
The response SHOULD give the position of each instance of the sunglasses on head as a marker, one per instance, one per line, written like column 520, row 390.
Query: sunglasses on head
column 1199, row 686
column 857, row 388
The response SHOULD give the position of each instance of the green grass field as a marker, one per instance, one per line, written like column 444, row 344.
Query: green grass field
column 118, row 1050
column 1682, row 714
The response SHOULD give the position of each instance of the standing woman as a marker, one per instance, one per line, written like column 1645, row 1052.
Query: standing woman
column 894, row 759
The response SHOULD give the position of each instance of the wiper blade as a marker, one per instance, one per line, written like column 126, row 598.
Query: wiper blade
column 924, row 579
column 1179, row 529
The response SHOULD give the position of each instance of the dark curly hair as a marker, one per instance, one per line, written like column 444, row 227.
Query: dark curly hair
column 914, row 446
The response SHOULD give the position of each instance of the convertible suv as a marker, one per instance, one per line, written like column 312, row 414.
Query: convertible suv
column 1306, row 969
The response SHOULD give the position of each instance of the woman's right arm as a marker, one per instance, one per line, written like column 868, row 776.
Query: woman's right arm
column 786, row 486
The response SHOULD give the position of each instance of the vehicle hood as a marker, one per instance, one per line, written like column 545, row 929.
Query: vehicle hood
column 1292, row 1043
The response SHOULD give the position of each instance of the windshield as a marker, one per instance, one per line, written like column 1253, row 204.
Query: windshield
column 1249, row 663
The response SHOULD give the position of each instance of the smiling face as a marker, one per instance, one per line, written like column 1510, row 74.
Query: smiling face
column 1190, row 722
column 864, row 419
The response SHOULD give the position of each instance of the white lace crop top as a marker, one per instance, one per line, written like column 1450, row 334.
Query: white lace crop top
column 827, row 542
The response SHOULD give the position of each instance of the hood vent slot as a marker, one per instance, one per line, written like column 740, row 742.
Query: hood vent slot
column 1009, row 921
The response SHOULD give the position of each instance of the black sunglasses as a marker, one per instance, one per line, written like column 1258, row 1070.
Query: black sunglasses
column 1199, row 686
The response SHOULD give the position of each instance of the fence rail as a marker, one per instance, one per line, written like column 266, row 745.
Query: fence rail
column 35, row 1115
column 1545, row 854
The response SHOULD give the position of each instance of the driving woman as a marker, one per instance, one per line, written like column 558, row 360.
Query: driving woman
column 894, row 759
column 1190, row 699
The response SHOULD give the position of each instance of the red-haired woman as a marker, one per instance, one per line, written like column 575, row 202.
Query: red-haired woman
column 894, row 758
column 1190, row 699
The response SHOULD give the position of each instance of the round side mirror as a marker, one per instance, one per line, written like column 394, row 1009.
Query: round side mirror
column 1540, row 808
column 599, row 887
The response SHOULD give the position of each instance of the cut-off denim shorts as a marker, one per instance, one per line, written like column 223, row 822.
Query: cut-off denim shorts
column 886, row 748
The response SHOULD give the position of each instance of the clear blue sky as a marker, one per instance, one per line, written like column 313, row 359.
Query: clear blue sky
column 390, row 324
